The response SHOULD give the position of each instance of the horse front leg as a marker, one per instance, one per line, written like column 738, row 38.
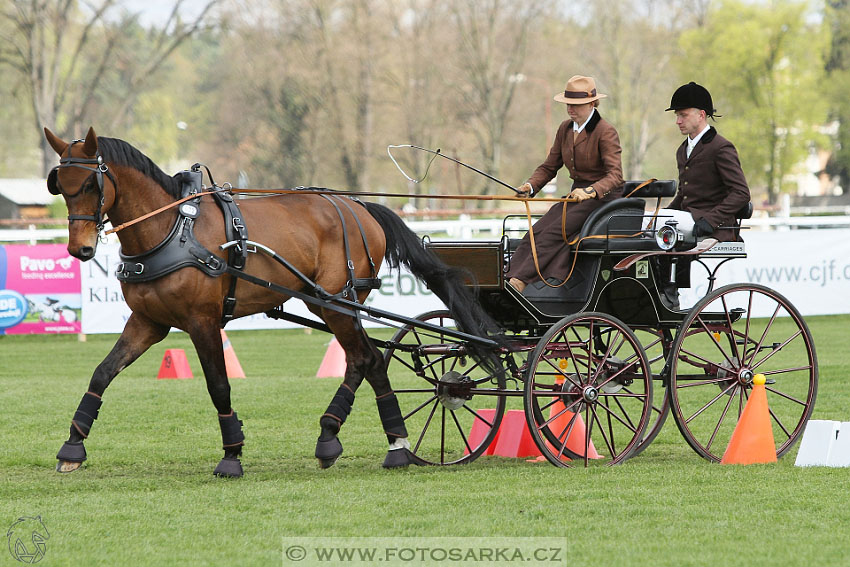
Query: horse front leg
column 138, row 336
column 207, row 340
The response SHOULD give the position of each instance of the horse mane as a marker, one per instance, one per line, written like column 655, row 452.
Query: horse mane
column 122, row 153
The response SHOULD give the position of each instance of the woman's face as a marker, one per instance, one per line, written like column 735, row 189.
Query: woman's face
column 579, row 112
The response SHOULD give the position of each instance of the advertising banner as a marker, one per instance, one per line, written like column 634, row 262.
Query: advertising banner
column 105, row 311
column 39, row 290
column 810, row 268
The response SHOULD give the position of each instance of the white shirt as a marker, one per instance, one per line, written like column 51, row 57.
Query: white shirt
column 692, row 142
column 577, row 128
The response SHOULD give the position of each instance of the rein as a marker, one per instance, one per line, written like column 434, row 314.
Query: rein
column 317, row 191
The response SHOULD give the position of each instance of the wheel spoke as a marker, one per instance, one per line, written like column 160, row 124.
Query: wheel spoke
column 775, row 350
column 711, row 403
column 719, row 423
column 419, row 407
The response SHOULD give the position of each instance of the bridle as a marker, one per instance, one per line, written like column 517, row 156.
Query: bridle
column 98, row 170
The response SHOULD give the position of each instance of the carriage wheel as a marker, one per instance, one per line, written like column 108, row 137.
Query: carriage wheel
column 450, row 404
column 588, row 391
column 730, row 335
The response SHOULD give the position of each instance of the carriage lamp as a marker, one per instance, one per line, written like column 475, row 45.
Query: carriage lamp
column 675, row 234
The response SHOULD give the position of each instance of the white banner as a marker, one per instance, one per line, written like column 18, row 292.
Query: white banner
column 811, row 268
column 105, row 311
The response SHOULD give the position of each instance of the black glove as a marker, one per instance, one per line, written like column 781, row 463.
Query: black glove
column 702, row 228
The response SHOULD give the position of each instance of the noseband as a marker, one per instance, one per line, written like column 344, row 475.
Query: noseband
column 98, row 170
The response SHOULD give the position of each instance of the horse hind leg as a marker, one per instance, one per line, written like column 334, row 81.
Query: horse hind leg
column 138, row 336
column 359, row 359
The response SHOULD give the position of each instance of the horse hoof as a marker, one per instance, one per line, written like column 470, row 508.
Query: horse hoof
column 328, row 452
column 229, row 468
column 399, row 458
column 67, row 466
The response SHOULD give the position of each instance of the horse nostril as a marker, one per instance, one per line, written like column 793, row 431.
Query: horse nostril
column 86, row 252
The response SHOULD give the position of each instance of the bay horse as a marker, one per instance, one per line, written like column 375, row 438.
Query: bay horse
column 326, row 240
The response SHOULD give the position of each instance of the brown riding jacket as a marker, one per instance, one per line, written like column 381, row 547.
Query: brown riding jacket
column 592, row 157
column 711, row 183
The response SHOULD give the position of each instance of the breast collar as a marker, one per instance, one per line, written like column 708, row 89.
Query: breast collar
column 181, row 248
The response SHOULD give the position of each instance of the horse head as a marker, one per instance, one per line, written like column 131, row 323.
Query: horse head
column 88, row 187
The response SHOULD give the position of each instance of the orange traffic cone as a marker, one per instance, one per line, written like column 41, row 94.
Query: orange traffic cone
column 480, row 429
column 514, row 439
column 752, row 441
column 174, row 365
column 231, row 363
column 333, row 364
column 575, row 437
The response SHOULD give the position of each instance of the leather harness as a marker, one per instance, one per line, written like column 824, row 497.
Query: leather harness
column 182, row 249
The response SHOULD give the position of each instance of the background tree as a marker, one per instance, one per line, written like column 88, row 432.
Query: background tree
column 760, row 62
column 838, row 71
column 68, row 57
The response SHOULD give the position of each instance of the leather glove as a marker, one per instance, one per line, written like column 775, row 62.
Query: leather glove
column 703, row 228
column 582, row 194
column 525, row 190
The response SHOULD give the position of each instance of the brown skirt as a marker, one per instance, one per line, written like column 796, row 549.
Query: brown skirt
column 553, row 254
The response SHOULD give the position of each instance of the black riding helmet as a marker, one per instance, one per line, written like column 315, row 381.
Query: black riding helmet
column 692, row 95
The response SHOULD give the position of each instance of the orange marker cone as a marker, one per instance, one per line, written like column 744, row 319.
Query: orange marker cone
column 752, row 441
column 174, row 365
column 479, row 431
column 231, row 363
column 333, row 364
column 574, row 437
column 514, row 439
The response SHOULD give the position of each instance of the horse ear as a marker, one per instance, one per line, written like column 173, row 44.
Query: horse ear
column 55, row 142
column 90, row 145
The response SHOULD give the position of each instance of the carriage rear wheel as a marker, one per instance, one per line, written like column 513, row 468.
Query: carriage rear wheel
column 588, row 391
column 728, row 337
column 450, row 404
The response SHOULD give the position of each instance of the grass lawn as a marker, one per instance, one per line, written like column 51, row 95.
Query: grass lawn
column 147, row 494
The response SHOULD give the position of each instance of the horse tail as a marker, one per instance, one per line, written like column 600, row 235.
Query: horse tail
column 447, row 282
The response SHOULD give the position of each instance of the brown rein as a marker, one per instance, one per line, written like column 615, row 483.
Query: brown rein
column 330, row 192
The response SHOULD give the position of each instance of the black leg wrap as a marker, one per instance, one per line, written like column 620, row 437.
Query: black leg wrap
column 72, row 452
column 341, row 404
column 328, row 447
column 86, row 413
column 391, row 418
column 231, row 430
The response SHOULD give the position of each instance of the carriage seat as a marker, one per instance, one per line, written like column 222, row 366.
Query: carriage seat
column 616, row 225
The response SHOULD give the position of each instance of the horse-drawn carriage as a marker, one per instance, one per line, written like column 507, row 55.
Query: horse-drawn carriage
column 599, row 362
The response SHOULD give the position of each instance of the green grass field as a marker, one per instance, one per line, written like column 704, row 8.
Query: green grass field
column 147, row 494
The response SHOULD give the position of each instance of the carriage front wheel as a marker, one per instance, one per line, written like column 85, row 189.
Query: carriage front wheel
column 588, row 391
column 451, row 406
column 728, row 337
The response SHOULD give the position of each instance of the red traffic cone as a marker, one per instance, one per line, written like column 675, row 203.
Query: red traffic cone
column 174, row 365
column 231, row 363
column 333, row 364
column 752, row 441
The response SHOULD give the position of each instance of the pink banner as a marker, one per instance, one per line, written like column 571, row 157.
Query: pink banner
column 39, row 290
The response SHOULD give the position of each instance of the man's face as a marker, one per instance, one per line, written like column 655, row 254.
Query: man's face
column 690, row 121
